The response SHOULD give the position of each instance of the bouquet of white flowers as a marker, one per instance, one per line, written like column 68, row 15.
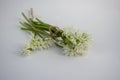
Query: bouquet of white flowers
column 44, row 35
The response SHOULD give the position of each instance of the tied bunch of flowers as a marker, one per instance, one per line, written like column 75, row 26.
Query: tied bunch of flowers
column 72, row 41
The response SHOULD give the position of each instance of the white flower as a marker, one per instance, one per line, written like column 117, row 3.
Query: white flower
column 75, row 43
column 37, row 43
column 27, row 51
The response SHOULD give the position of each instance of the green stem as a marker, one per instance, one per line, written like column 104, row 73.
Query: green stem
column 39, row 27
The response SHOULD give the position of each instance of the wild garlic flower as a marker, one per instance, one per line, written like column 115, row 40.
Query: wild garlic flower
column 75, row 43
column 37, row 43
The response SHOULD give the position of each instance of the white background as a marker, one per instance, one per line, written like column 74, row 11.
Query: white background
column 100, row 18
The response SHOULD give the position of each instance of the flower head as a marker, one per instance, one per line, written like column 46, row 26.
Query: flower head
column 37, row 43
column 75, row 43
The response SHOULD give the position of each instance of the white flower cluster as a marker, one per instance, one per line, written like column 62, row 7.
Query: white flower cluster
column 37, row 43
column 75, row 43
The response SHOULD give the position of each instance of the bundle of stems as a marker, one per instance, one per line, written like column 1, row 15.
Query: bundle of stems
column 73, row 42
